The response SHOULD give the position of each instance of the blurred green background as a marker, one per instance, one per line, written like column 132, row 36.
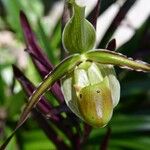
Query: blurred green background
column 129, row 128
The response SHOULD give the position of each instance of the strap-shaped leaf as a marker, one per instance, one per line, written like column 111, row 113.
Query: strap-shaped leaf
column 110, row 57
column 65, row 66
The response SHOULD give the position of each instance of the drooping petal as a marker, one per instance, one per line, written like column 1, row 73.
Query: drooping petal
column 114, row 85
column 81, row 78
column 65, row 66
column 115, row 89
column 44, row 106
column 26, row 84
column 94, row 74
column 70, row 95
column 109, row 57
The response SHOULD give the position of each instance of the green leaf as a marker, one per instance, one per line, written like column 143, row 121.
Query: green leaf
column 12, row 9
column 13, row 143
column 15, row 102
column 46, row 43
column 55, row 38
column 2, row 86
column 135, row 87
column 126, row 131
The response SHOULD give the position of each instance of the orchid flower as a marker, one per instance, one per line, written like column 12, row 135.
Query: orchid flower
column 88, row 80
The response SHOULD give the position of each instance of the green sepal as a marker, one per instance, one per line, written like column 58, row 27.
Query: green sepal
column 79, row 34
column 108, row 57
column 108, row 72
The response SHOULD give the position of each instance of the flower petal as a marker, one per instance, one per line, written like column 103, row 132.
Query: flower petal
column 114, row 85
column 109, row 57
column 95, row 104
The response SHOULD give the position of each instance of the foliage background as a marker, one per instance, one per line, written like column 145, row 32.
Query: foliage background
column 130, row 125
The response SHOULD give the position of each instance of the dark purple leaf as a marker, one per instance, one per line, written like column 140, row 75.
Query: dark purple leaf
column 94, row 14
column 86, row 132
column 111, row 45
column 105, row 141
column 40, row 60
column 105, row 4
column 43, row 105
column 49, row 131
column 138, row 46
column 31, row 43
column 28, row 87
column 116, row 22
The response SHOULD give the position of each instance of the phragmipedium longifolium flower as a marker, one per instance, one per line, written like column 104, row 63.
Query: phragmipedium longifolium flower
column 88, row 80
column 102, row 91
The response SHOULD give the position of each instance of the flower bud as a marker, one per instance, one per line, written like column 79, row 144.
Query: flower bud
column 79, row 34
column 90, row 92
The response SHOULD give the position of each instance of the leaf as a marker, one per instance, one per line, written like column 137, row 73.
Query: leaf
column 12, row 9
column 2, row 86
column 29, row 88
column 104, row 144
column 41, row 62
column 94, row 14
column 105, row 5
column 13, row 144
column 111, row 45
column 49, row 131
column 124, row 129
column 138, row 45
column 46, row 43
column 32, row 45
column 110, row 57
column 135, row 87
column 15, row 102
column 55, row 38
column 64, row 67
column 116, row 22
